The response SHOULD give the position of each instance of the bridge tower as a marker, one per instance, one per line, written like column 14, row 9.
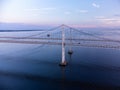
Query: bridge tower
column 63, row 62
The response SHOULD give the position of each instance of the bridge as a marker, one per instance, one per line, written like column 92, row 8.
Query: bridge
column 64, row 35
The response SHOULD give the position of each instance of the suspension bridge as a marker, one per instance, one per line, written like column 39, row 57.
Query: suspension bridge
column 64, row 35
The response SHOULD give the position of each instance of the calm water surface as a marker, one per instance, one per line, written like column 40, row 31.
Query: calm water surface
column 37, row 67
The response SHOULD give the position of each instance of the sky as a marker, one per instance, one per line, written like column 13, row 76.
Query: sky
column 79, row 13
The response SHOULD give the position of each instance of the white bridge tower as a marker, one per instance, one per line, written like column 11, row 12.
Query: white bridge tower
column 63, row 63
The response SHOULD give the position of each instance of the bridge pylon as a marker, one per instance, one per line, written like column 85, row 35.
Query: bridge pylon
column 63, row 62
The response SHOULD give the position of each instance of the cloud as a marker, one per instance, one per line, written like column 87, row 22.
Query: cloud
column 117, row 15
column 95, row 5
column 82, row 11
column 110, row 21
column 50, row 8
column 33, row 9
column 41, row 9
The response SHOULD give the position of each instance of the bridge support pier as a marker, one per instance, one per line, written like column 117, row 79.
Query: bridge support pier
column 63, row 63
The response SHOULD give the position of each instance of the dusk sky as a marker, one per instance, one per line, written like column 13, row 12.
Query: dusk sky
column 82, row 13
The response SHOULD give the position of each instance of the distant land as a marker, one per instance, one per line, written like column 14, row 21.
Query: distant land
column 29, row 27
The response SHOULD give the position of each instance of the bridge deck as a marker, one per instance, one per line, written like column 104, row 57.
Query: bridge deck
column 58, row 43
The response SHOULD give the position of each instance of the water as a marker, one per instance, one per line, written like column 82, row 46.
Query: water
column 28, row 67
column 37, row 67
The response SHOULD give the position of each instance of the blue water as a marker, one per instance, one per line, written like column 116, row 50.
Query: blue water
column 36, row 67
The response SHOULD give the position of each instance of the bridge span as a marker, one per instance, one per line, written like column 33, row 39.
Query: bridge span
column 64, row 35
